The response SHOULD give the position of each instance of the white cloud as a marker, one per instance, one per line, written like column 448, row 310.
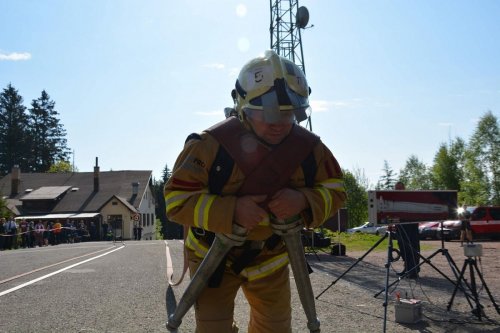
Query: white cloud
column 215, row 66
column 352, row 103
column 325, row 106
column 15, row 56
column 320, row 106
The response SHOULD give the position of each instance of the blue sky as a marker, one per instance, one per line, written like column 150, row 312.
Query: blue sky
column 131, row 79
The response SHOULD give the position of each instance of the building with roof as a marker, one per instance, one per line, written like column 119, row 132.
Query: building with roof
column 113, row 200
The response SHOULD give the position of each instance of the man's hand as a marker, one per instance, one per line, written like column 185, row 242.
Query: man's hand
column 287, row 203
column 248, row 213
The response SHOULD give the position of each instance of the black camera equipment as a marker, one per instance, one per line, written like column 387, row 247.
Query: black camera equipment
column 313, row 240
column 392, row 255
column 427, row 260
column 472, row 251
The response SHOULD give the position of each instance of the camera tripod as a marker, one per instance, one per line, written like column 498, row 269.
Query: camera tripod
column 305, row 234
column 427, row 260
column 471, row 263
column 390, row 258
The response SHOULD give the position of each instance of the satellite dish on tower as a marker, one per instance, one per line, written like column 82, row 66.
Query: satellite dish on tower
column 302, row 17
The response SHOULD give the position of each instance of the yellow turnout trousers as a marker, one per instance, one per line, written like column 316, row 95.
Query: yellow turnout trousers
column 269, row 299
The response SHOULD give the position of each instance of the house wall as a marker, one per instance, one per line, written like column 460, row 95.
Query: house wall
column 148, row 217
column 115, row 207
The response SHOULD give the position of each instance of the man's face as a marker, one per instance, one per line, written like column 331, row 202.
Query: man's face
column 271, row 132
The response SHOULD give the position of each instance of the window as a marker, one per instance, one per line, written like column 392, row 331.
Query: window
column 479, row 214
column 495, row 213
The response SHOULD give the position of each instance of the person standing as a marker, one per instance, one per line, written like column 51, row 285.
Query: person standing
column 31, row 233
column 39, row 231
column 57, row 232
column 11, row 232
column 139, row 231
column 23, row 228
column 408, row 243
column 465, row 228
column 275, row 170
column 2, row 233
column 135, row 230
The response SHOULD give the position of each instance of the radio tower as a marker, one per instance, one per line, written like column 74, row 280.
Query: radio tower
column 287, row 20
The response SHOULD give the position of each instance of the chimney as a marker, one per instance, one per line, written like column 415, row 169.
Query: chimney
column 135, row 188
column 15, row 180
column 96, row 175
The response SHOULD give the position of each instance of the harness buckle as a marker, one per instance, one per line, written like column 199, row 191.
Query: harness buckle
column 199, row 232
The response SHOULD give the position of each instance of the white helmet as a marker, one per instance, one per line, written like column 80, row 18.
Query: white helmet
column 272, row 84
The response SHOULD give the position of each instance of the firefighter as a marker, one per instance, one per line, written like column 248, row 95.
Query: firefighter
column 465, row 228
column 274, row 169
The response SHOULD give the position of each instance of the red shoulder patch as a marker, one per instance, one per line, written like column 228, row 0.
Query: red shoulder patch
column 186, row 184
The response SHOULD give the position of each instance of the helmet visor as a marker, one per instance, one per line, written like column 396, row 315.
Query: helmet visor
column 270, row 117
column 280, row 96
column 278, row 100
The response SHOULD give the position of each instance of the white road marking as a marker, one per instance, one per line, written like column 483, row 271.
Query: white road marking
column 170, row 269
column 8, row 291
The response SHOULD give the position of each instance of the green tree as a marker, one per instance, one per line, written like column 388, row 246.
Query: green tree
column 356, row 185
column 46, row 135
column 169, row 230
column 3, row 208
column 445, row 170
column 165, row 175
column 60, row 167
column 388, row 179
column 13, row 131
column 457, row 150
column 415, row 175
column 484, row 148
column 473, row 188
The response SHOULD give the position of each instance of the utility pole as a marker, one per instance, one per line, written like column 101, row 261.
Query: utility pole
column 287, row 21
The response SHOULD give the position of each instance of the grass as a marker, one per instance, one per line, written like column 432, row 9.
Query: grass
column 363, row 242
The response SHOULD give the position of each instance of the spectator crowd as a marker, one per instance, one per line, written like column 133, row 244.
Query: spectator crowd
column 30, row 234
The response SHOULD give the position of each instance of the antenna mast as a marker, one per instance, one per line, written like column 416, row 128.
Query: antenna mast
column 287, row 20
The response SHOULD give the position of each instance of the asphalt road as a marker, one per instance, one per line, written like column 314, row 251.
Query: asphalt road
column 106, row 287
column 95, row 287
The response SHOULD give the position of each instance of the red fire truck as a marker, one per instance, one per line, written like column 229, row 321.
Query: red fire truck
column 485, row 221
column 396, row 206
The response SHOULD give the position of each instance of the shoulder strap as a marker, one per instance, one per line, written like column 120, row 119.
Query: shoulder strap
column 220, row 171
column 263, row 169
column 309, row 169
column 274, row 171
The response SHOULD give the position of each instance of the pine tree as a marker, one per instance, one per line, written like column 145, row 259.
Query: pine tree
column 14, row 148
column 388, row 179
column 169, row 230
column 46, row 135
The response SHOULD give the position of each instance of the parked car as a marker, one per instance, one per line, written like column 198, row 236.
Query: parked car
column 429, row 230
column 451, row 229
column 432, row 230
column 368, row 228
